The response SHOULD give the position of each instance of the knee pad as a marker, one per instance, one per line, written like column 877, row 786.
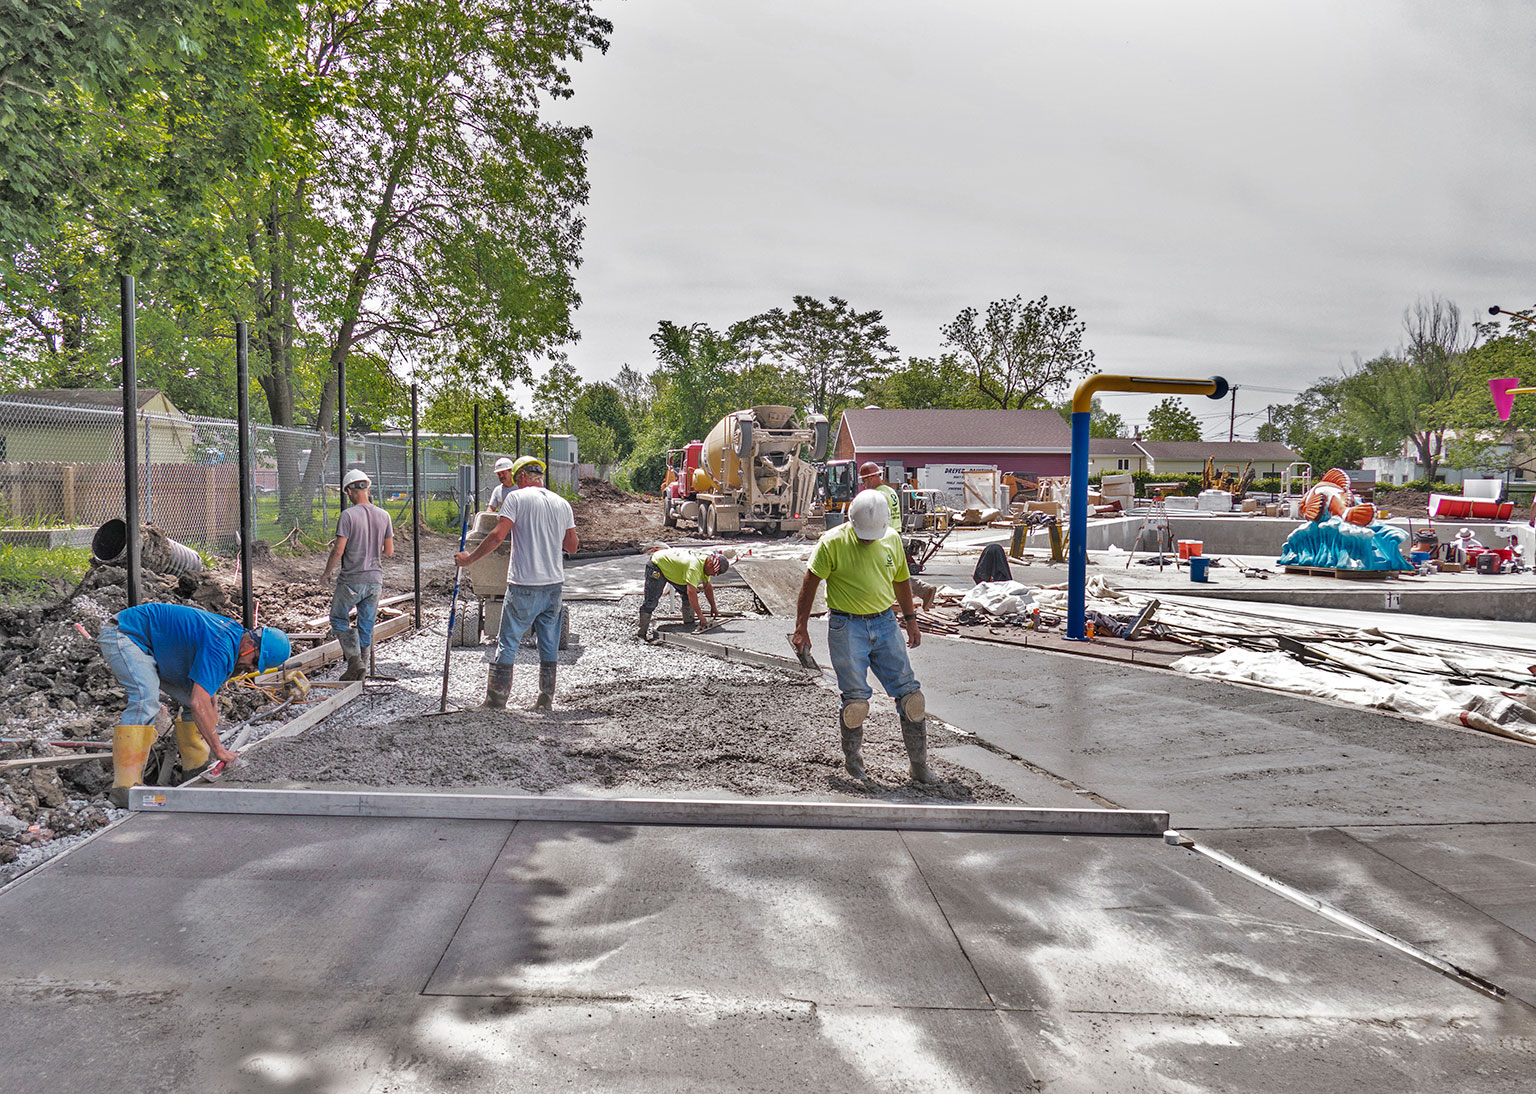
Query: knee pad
column 912, row 707
column 854, row 713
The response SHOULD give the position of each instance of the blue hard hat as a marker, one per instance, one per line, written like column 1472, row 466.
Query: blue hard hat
column 275, row 649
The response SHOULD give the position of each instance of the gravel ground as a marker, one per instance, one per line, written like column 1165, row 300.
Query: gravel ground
column 628, row 719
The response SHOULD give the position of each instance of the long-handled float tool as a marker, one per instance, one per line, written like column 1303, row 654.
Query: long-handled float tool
column 453, row 613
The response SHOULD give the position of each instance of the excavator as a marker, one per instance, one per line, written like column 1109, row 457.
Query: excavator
column 1233, row 483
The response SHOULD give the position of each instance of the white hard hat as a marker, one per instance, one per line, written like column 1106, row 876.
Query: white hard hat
column 1465, row 532
column 870, row 515
column 354, row 476
column 504, row 464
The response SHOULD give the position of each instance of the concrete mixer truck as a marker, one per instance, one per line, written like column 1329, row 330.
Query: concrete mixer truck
column 752, row 473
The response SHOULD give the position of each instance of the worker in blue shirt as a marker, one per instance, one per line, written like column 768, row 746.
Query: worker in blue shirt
column 187, row 653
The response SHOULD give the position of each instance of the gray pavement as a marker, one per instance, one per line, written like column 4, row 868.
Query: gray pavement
column 213, row 953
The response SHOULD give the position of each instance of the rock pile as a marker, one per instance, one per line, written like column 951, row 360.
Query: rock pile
column 54, row 686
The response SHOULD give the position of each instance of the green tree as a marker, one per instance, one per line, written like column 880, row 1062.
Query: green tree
column 1482, row 440
column 436, row 213
column 1410, row 396
column 1171, row 420
column 602, row 405
column 1314, row 428
column 926, row 383
column 696, row 380
column 830, row 349
column 1101, row 423
column 555, row 395
column 1022, row 351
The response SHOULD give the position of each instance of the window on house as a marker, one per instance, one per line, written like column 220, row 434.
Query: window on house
column 1122, row 465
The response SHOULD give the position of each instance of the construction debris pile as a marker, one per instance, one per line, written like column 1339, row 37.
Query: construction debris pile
column 56, row 687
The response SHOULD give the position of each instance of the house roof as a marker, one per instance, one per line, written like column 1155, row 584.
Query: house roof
column 70, row 406
column 874, row 430
column 95, row 398
column 1264, row 451
column 1113, row 446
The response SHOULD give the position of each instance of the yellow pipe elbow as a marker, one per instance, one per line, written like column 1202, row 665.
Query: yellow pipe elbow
column 1082, row 400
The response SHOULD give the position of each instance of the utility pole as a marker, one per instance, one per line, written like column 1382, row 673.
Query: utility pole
column 1232, row 419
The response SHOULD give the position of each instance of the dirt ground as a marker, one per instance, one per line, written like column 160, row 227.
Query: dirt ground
column 610, row 519
column 628, row 718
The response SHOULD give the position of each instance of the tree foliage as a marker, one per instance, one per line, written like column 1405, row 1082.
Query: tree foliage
column 926, row 383
column 1171, row 420
column 1410, row 396
column 832, row 351
column 1101, row 423
column 1022, row 351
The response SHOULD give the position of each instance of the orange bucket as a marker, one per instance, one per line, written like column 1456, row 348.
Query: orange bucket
column 1196, row 546
column 1184, row 548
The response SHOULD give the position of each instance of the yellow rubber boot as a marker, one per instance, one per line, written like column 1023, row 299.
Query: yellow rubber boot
column 130, row 751
column 190, row 743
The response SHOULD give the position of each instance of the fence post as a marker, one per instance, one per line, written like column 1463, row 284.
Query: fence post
column 341, row 432
column 243, row 450
column 476, row 479
column 149, row 486
column 546, row 449
column 416, row 500
column 518, row 426
column 130, row 437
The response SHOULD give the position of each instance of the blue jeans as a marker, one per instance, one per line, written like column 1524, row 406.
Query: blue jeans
column 364, row 596
column 140, row 677
column 536, row 606
column 861, row 643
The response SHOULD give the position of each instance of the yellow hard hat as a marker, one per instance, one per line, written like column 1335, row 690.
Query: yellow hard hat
column 526, row 461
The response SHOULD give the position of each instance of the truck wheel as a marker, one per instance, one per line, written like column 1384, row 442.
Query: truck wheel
column 668, row 517
column 706, row 520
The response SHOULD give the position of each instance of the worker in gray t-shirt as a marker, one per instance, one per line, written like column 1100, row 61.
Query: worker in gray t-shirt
column 364, row 535
column 504, row 487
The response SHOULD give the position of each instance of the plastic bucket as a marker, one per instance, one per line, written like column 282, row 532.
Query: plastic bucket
column 1183, row 548
column 1198, row 567
column 1196, row 546
column 110, row 544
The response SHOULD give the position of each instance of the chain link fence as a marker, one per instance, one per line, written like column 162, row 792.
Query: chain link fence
column 61, row 468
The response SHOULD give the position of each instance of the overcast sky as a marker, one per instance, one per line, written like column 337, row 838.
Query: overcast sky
column 1255, row 189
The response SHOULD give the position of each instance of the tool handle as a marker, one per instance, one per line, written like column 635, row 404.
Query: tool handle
column 453, row 612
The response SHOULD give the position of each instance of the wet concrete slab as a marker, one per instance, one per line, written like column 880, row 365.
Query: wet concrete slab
column 632, row 959
column 1222, row 755
column 1461, row 892
column 166, row 905
column 834, row 917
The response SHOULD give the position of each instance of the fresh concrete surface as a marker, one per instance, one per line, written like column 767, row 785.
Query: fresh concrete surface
column 228, row 953
column 638, row 959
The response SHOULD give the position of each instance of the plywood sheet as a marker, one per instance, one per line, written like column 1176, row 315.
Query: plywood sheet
column 776, row 581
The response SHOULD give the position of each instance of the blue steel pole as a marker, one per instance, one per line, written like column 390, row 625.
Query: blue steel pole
column 1077, row 532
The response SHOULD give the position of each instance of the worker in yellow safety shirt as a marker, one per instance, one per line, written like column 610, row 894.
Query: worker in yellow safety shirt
column 865, row 568
column 686, row 571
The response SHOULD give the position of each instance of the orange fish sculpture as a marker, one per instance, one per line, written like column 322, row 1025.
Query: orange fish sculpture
column 1331, row 497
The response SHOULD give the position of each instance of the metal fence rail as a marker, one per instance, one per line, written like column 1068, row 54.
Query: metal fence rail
column 62, row 467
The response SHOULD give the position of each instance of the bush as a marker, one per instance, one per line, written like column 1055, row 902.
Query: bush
column 644, row 473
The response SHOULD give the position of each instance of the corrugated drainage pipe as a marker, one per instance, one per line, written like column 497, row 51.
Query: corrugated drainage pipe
column 160, row 552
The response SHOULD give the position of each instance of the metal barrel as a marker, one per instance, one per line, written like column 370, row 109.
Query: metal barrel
column 110, row 544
